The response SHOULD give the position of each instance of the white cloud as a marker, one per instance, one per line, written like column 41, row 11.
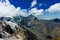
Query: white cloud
column 33, row 3
column 7, row 10
column 36, row 12
column 23, row 13
column 52, row 12
column 54, row 8
column 33, row 11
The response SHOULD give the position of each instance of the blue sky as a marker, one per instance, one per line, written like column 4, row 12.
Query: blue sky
column 42, row 9
column 25, row 4
column 45, row 4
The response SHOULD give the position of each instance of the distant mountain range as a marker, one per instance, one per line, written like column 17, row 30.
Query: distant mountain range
column 29, row 28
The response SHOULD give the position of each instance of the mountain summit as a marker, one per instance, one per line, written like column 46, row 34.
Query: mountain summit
column 56, row 20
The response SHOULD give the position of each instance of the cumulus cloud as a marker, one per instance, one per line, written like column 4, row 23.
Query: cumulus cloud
column 33, row 3
column 23, row 13
column 36, row 12
column 7, row 10
column 54, row 8
column 51, row 13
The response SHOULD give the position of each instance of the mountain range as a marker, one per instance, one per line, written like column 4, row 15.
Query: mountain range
column 29, row 28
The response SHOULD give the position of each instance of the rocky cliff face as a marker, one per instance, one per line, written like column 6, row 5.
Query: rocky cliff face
column 29, row 28
column 10, row 30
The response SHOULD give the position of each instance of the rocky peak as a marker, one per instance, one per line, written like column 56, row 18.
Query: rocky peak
column 56, row 20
